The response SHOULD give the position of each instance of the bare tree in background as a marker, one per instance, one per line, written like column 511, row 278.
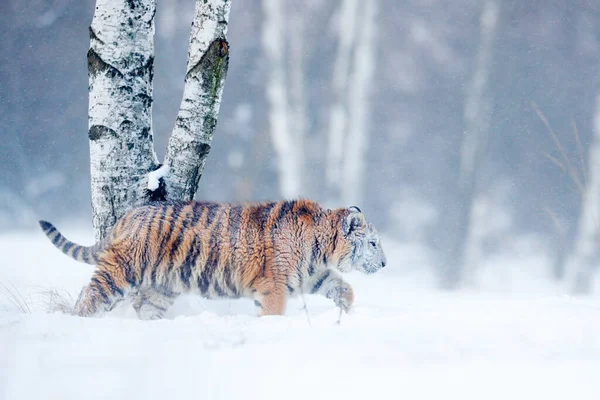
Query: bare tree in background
column 120, row 70
column 584, row 258
column 285, row 95
column 348, row 121
column 464, row 239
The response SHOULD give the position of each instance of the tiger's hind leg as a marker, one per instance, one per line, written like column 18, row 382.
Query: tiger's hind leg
column 152, row 303
column 107, row 288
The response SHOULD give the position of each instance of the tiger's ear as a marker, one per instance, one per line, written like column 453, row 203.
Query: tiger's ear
column 355, row 220
column 354, row 208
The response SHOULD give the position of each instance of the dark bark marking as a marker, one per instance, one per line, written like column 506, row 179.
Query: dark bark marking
column 97, row 65
column 97, row 132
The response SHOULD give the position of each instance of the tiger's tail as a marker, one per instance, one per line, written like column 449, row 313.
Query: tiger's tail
column 85, row 254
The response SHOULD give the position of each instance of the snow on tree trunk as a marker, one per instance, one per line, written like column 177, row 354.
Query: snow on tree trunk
column 120, row 71
column 584, row 258
column 286, row 141
column 208, row 61
column 338, row 115
column 358, row 107
column 464, row 239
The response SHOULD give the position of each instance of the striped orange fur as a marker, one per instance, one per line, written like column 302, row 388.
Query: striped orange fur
column 266, row 251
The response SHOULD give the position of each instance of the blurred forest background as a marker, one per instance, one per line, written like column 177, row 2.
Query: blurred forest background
column 421, row 112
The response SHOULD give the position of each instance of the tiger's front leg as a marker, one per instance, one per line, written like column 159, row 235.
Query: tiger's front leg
column 331, row 285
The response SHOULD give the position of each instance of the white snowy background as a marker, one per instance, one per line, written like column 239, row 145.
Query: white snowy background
column 298, row 79
column 403, row 339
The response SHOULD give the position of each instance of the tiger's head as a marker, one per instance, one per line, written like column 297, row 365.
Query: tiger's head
column 358, row 246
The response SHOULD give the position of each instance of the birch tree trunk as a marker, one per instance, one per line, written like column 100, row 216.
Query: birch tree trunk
column 352, row 80
column 463, row 238
column 287, row 139
column 584, row 258
column 338, row 115
column 208, row 61
column 358, row 106
column 120, row 70
column 297, row 108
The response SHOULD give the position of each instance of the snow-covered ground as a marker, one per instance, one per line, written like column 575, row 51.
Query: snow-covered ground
column 402, row 340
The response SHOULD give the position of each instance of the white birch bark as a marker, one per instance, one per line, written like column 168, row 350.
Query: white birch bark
column 584, row 258
column 465, row 239
column 338, row 116
column 297, row 101
column 282, row 134
column 358, row 106
column 208, row 58
column 348, row 119
column 120, row 70
column 477, row 115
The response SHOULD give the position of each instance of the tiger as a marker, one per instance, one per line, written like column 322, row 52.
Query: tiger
column 265, row 251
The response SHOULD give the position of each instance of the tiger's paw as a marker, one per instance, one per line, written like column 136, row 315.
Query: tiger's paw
column 342, row 296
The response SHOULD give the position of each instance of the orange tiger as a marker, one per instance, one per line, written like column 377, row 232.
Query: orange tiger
column 266, row 251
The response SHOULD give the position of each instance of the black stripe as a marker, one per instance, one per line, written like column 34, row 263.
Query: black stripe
column 212, row 211
column 115, row 290
column 286, row 207
column 196, row 213
column 76, row 251
column 303, row 210
column 235, row 219
column 46, row 226
column 261, row 216
column 56, row 239
column 184, row 274
column 50, row 230
column 319, row 282
column 257, row 303
column 129, row 274
column 228, row 278
column 204, row 280
column 335, row 235
column 128, row 269
column 146, row 220
column 167, row 238
column 213, row 251
column 289, row 288
column 93, row 304
column 163, row 213
column 100, row 290
column 178, row 240
column 68, row 246
column 185, row 270
column 314, row 254
column 211, row 265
